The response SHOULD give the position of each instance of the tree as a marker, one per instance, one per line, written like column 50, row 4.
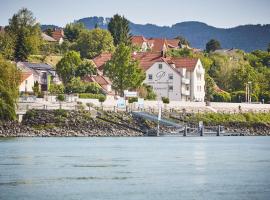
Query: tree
column 26, row 34
column 49, row 31
column 86, row 68
column 67, row 66
column 73, row 30
column 212, row 45
column 209, row 87
column 268, row 49
column 94, row 42
column 123, row 70
column 9, row 83
column 56, row 88
column 119, row 29
column 6, row 45
column 36, row 89
column 75, row 86
column 183, row 41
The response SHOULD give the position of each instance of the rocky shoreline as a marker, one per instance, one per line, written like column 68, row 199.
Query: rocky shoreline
column 61, row 123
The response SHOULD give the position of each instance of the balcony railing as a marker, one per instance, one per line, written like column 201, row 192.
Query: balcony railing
column 185, row 81
column 185, row 92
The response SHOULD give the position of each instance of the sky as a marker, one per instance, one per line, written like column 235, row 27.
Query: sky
column 218, row 13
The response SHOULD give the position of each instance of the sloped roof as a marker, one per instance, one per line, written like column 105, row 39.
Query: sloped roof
column 57, row 34
column 147, row 59
column 37, row 66
column 173, row 43
column 24, row 76
column 101, row 80
column 138, row 40
column 189, row 63
column 101, row 60
column 47, row 38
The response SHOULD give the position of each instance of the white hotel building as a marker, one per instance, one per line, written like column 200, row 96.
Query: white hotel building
column 179, row 79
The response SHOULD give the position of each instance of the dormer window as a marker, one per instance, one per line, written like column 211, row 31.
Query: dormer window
column 159, row 66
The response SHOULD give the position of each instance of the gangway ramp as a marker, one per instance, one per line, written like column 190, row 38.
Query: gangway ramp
column 154, row 118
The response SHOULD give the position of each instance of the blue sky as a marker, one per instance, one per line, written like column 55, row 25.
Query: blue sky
column 219, row 13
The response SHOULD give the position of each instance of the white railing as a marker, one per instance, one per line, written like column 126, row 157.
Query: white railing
column 185, row 81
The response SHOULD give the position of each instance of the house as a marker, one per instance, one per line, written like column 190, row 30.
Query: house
column 140, row 42
column 47, row 38
column 58, row 35
column 43, row 73
column 26, row 82
column 100, row 61
column 102, row 81
column 179, row 79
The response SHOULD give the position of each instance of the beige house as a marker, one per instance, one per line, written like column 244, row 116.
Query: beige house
column 27, row 82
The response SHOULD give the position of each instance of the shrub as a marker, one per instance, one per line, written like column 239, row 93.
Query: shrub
column 93, row 88
column 102, row 98
column 56, row 88
column 221, row 97
column 132, row 99
column 60, row 97
column 90, row 96
column 165, row 100
column 265, row 96
column 240, row 96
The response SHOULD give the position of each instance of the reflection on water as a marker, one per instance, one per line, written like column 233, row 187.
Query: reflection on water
column 135, row 168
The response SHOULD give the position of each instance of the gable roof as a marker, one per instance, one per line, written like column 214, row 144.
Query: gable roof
column 102, row 59
column 147, row 59
column 47, row 38
column 24, row 76
column 138, row 40
column 37, row 66
column 189, row 63
column 57, row 34
column 101, row 80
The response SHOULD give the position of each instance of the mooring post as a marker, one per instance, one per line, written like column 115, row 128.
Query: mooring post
column 185, row 131
column 201, row 131
column 218, row 130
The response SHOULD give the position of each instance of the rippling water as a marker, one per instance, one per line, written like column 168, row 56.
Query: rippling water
column 135, row 168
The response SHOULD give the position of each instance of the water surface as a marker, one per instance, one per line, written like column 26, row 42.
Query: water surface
column 135, row 168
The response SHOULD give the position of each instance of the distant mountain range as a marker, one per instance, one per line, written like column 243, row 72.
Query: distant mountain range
column 245, row 37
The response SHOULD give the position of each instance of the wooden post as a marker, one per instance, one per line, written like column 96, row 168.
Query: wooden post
column 185, row 131
column 218, row 130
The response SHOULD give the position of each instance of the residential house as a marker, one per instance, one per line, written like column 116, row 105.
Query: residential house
column 179, row 79
column 102, row 81
column 43, row 73
column 47, row 38
column 26, row 82
column 58, row 35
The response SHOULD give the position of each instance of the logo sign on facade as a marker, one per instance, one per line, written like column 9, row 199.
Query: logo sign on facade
column 121, row 103
column 130, row 94
column 160, row 75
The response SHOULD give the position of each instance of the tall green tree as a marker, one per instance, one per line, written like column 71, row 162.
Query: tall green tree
column 6, row 45
column 212, row 45
column 67, row 66
column 268, row 48
column 26, row 34
column 123, row 70
column 73, row 30
column 9, row 83
column 86, row 68
column 94, row 42
column 119, row 28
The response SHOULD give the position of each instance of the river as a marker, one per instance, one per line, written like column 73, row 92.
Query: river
column 143, row 168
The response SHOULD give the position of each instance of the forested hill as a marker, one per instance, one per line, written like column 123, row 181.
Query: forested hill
column 246, row 37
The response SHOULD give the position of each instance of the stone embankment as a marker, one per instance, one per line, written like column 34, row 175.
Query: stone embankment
column 58, row 123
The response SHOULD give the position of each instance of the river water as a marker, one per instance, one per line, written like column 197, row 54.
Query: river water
column 164, row 168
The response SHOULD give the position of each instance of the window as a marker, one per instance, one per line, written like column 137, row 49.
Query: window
column 199, row 88
column 187, row 88
column 199, row 77
column 160, row 66
column 150, row 76
column 25, row 82
column 170, row 88
column 170, row 76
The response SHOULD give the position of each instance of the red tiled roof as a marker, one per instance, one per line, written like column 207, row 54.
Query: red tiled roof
column 189, row 63
column 24, row 76
column 101, row 60
column 101, row 80
column 147, row 59
column 138, row 40
column 57, row 34
column 158, row 44
column 173, row 43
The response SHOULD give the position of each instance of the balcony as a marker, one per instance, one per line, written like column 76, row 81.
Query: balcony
column 185, row 81
column 185, row 92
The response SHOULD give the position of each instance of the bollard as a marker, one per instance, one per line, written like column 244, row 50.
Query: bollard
column 185, row 131
column 202, row 131
column 218, row 130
